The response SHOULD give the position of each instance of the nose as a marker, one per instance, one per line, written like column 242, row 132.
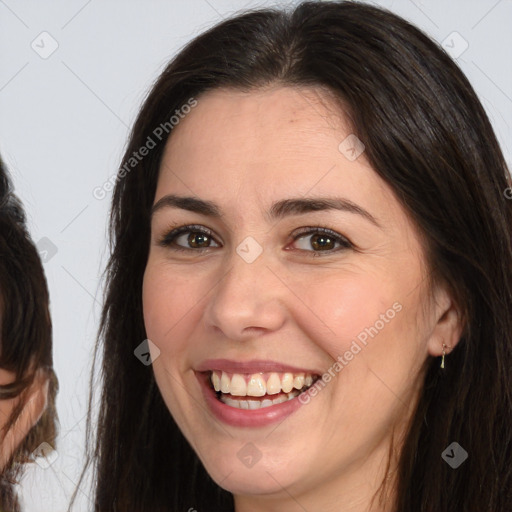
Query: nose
column 247, row 301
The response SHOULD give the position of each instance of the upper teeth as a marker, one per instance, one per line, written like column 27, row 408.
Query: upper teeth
column 259, row 384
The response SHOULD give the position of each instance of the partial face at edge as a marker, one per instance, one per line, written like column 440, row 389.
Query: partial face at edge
column 305, row 301
column 36, row 400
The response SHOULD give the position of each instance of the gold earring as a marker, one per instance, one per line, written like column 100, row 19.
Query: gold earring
column 444, row 353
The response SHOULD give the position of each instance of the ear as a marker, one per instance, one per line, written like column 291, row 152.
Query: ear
column 447, row 323
column 36, row 403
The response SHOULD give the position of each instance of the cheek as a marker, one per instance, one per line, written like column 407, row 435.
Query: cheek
column 168, row 299
column 167, row 309
column 340, row 308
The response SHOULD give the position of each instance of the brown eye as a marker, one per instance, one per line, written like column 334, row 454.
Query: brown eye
column 198, row 240
column 188, row 238
column 321, row 240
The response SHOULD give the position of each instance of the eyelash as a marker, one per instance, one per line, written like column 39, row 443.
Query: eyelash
column 169, row 238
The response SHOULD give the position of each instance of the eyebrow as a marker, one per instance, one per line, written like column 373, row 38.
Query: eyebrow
column 279, row 210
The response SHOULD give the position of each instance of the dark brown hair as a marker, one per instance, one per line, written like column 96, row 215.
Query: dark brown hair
column 428, row 136
column 26, row 334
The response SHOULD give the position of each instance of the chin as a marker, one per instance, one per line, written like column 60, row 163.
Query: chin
column 250, row 483
column 235, row 477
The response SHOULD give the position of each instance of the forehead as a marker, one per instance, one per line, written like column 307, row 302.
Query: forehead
column 241, row 149
column 275, row 135
column 259, row 123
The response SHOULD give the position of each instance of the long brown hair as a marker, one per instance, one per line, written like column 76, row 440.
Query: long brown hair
column 428, row 136
column 26, row 334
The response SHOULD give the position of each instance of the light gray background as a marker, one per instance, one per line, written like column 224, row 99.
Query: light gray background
column 64, row 121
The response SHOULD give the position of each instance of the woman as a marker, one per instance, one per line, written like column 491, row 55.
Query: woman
column 28, row 385
column 375, row 376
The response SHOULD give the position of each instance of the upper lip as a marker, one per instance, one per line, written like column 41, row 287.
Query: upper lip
column 253, row 366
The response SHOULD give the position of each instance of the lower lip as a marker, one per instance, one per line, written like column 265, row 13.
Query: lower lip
column 245, row 417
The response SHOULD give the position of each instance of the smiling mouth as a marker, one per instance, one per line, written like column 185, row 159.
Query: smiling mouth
column 258, row 390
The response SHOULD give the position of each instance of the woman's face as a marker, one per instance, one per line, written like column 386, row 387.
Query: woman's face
column 257, row 292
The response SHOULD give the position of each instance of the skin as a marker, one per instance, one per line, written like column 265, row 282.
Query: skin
column 245, row 151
